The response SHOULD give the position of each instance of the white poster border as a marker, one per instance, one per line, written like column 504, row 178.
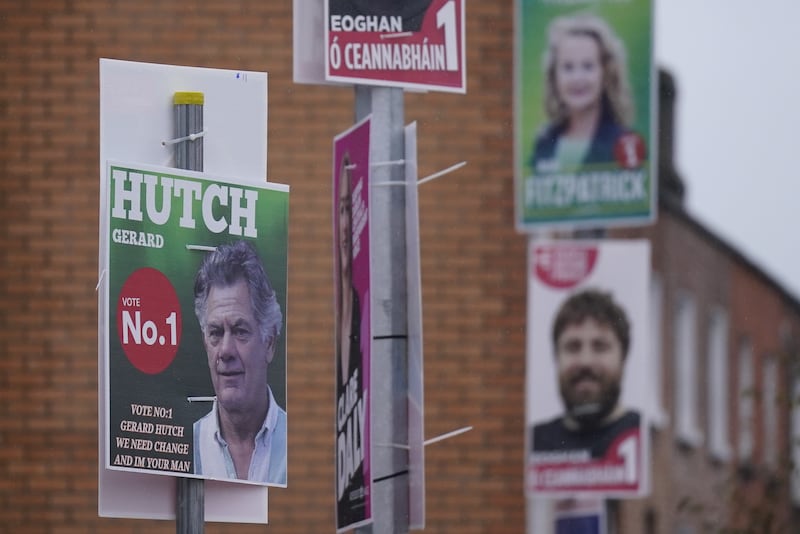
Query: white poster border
column 135, row 118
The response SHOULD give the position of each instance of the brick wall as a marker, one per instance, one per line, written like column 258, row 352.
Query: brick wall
column 473, row 261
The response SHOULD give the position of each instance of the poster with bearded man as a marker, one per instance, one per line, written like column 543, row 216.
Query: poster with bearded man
column 587, row 368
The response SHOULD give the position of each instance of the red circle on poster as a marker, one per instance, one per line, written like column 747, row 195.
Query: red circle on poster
column 629, row 151
column 149, row 320
column 564, row 266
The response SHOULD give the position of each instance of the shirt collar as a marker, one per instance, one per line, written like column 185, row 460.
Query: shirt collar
column 269, row 423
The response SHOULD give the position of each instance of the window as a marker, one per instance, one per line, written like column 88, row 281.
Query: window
column 650, row 523
column 795, row 445
column 686, row 371
column 746, row 402
column 658, row 416
column 769, row 403
column 719, row 444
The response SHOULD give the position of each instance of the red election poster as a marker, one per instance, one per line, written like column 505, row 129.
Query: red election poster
column 587, row 361
column 416, row 44
column 353, row 332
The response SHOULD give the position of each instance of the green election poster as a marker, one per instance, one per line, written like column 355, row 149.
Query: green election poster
column 584, row 119
column 195, row 324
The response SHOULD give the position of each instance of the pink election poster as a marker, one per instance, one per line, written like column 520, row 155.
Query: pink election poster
column 352, row 319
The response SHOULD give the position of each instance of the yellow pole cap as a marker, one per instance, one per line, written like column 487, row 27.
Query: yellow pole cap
column 188, row 97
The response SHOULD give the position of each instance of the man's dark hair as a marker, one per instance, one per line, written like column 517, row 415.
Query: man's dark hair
column 225, row 266
column 597, row 305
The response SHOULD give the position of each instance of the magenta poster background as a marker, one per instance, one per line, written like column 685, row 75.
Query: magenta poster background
column 352, row 319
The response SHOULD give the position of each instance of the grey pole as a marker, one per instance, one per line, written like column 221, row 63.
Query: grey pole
column 188, row 120
column 389, row 382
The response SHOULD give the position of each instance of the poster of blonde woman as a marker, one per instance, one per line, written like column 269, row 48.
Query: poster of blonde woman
column 584, row 114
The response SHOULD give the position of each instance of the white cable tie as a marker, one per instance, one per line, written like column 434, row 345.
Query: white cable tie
column 448, row 435
column 387, row 163
column 395, row 35
column 100, row 280
column 351, row 166
column 441, row 173
column 428, row 441
column 201, row 399
column 205, row 248
column 393, row 445
column 190, row 137
column 389, row 183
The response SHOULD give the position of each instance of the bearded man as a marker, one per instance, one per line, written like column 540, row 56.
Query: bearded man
column 591, row 337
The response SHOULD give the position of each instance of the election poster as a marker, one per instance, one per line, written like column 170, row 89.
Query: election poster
column 195, row 333
column 417, row 44
column 137, row 124
column 580, row 516
column 353, row 334
column 585, row 125
column 587, row 356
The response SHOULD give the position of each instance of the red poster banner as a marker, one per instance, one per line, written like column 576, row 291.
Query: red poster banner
column 417, row 44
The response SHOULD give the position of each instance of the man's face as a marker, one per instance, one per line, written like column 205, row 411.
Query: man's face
column 589, row 360
column 237, row 357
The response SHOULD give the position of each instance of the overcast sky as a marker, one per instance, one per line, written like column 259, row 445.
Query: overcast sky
column 736, row 64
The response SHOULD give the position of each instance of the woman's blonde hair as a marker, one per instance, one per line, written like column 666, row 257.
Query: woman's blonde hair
column 616, row 89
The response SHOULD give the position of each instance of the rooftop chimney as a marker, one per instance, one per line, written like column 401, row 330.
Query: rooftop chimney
column 670, row 184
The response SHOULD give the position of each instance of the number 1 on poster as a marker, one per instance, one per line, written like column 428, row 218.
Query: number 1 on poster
column 447, row 17
column 628, row 449
column 147, row 332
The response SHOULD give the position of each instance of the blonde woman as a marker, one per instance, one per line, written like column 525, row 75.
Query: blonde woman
column 587, row 96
